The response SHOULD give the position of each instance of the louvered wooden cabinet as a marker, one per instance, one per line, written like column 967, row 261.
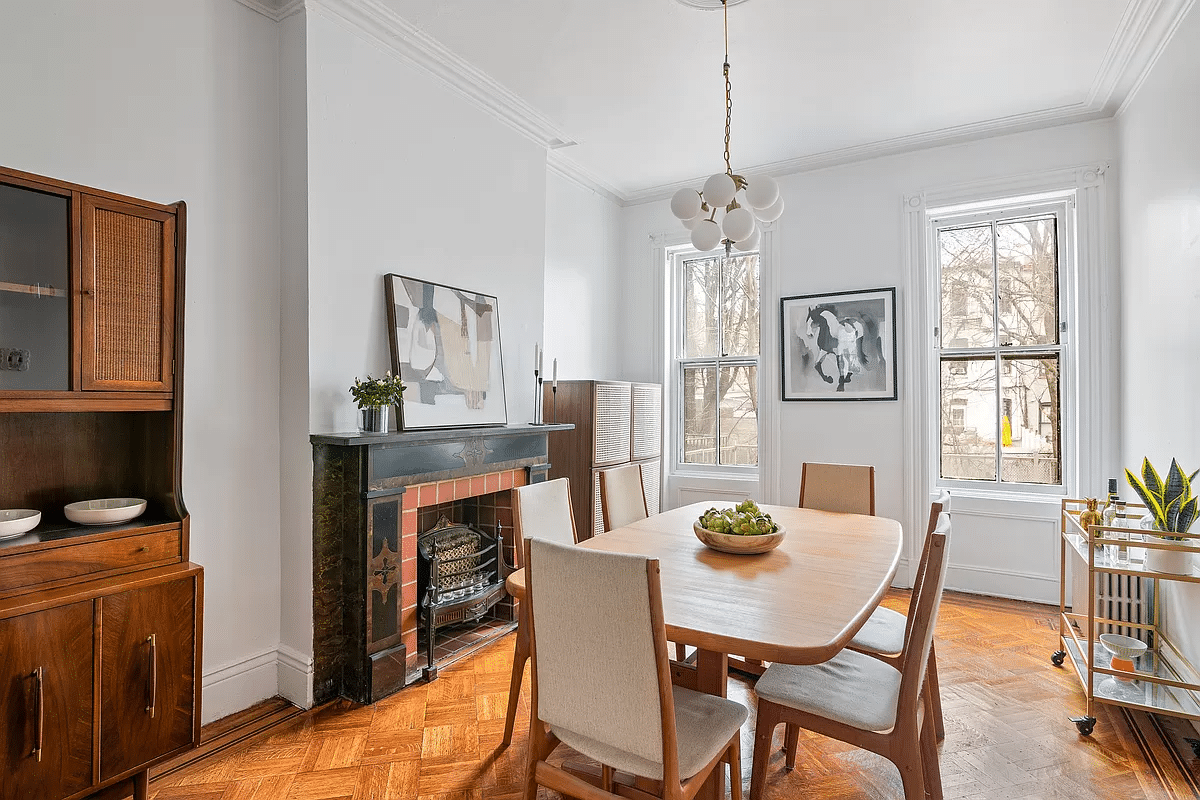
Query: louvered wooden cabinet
column 100, row 627
column 616, row 423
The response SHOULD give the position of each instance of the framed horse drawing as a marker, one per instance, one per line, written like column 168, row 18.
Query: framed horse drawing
column 839, row 346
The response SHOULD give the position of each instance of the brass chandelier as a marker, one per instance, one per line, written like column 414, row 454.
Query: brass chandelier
column 740, row 223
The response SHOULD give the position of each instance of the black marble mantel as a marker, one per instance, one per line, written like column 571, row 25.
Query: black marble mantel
column 359, row 483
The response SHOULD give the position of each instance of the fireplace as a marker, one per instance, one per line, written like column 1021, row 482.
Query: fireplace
column 373, row 496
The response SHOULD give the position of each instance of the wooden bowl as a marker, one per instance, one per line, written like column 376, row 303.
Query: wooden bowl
column 737, row 543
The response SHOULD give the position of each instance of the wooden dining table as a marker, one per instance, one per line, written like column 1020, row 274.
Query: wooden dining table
column 800, row 603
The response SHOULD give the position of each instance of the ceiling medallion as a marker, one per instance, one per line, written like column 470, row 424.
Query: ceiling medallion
column 739, row 226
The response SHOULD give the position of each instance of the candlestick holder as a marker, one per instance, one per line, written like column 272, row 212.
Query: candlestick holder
column 554, row 403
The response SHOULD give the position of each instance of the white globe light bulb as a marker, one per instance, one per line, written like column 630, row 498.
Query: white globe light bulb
column 719, row 190
column 706, row 235
column 772, row 213
column 738, row 224
column 691, row 224
column 761, row 191
column 685, row 203
column 750, row 243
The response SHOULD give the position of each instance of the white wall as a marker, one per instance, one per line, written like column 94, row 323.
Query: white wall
column 1160, row 282
column 407, row 176
column 179, row 101
column 585, row 309
column 844, row 229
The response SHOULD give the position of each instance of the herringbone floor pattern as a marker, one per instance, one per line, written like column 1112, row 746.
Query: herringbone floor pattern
column 1007, row 734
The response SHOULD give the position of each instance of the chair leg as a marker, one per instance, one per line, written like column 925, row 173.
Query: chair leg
column 935, row 694
column 520, row 656
column 735, row 767
column 931, row 769
column 912, row 771
column 791, row 742
column 764, row 732
column 680, row 652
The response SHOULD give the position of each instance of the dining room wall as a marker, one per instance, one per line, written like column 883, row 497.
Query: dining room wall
column 179, row 101
column 1160, row 283
column 584, row 310
column 844, row 229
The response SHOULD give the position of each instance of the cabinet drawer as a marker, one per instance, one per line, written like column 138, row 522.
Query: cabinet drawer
column 45, row 569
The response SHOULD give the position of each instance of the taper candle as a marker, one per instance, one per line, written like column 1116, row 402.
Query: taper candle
column 540, row 355
column 554, row 380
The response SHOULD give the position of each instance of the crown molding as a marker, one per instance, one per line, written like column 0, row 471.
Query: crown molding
column 959, row 134
column 1161, row 29
column 391, row 33
column 564, row 167
column 277, row 10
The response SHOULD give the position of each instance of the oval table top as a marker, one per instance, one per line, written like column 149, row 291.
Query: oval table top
column 799, row 604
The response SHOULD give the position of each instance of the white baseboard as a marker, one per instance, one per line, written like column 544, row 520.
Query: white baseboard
column 239, row 685
column 295, row 676
column 1003, row 583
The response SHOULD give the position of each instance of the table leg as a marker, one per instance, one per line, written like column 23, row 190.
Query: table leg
column 711, row 677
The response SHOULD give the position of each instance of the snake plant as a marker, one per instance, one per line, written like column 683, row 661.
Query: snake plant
column 1171, row 501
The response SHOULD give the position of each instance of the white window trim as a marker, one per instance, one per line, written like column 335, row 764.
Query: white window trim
column 663, row 248
column 1062, row 206
column 1096, row 450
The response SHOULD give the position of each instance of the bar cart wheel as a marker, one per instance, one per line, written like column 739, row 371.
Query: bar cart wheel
column 1084, row 724
column 1058, row 657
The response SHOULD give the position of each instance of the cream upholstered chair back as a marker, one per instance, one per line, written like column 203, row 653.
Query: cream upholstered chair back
column 543, row 511
column 845, row 488
column 622, row 499
column 599, row 648
column 923, row 612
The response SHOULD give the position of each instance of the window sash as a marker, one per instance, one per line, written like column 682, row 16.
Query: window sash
column 999, row 353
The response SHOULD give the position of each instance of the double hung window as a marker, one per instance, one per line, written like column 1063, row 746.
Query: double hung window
column 1000, row 345
column 715, row 360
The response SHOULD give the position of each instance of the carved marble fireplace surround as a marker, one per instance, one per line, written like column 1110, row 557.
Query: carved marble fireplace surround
column 371, row 497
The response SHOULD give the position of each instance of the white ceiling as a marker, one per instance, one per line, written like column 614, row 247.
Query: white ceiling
column 637, row 84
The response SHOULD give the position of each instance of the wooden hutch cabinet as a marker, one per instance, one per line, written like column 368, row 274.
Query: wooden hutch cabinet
column 615, row 423
column 100, row 626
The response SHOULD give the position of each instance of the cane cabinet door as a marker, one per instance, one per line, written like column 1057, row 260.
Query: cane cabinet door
column 46, row 702
column 127, row 289
column 147, row 669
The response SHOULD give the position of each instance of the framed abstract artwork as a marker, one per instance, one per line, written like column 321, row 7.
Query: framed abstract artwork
column 445, row 345
column 839, row 346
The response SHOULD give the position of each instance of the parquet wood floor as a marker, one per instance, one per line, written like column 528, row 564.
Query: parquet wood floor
column 1007, row 734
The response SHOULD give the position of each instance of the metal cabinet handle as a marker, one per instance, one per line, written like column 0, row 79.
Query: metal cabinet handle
column 38, row 678
column 152, row 640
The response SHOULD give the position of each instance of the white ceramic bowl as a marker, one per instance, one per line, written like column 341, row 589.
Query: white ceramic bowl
column 108, row 511
column 736, row 543
column 1122, row 646
column 18, row 521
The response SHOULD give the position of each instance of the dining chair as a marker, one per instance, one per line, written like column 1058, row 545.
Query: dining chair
column 540, row 511
column 602, row 681
column 622, row 499
column 845, row 488
column 861, row 700
column 883, row 634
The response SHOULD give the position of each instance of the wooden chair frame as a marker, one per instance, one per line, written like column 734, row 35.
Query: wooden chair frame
column 933, row 691
column 542, row 741
column 604, row 504
column 804, row 480
column 521, row 650
column 910, row 744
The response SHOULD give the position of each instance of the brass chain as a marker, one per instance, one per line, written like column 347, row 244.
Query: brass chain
column 728, row 92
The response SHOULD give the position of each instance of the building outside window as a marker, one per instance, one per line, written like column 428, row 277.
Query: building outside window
column 715, row 360
column 999, row 347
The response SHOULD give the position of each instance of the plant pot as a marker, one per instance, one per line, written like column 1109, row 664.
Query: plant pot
column 373, row 420
column 1171, row 562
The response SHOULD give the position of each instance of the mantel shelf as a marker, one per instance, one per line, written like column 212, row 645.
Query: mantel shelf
column 435, row 435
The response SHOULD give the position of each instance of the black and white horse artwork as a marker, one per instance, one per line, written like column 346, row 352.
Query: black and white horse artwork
column 839, row 339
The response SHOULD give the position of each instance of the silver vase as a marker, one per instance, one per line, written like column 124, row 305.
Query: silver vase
column 373, row 420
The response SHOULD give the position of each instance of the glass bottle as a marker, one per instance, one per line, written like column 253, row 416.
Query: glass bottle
column 1122, row 538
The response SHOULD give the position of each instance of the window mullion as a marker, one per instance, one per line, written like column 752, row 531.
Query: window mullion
column 996, row 358
column 721, row 265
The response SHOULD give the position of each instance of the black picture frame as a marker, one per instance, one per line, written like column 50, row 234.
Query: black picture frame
column 838, row 346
